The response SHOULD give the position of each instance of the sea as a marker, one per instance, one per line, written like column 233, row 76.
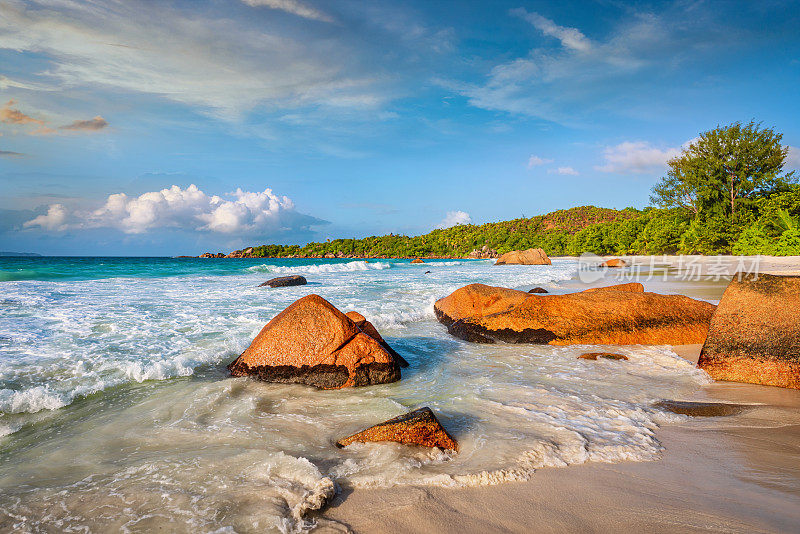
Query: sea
column 117, row 413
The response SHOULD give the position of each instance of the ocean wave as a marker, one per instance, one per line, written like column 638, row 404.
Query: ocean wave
column 30, row 400
column 352, row 266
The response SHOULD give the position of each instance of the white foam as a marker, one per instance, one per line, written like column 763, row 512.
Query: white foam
column 347, row 267
column 29, row 400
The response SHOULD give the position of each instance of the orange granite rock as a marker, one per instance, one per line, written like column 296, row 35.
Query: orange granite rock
column 476, row 300
column 633, row 287
column 311, row 342
column 532, row 256
column 755, row 333
column 614, row 262
column 417, row 260
column 606, row 355
column 369, row 329
column 419, row 427
column 486, row 314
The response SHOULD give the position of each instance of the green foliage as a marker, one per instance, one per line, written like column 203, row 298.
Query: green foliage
column 725, row 170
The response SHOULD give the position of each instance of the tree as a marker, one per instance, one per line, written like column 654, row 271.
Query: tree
column 725, row 168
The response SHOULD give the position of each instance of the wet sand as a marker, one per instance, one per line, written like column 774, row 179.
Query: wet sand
column 739, row 473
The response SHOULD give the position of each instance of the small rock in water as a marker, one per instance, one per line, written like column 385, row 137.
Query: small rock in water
column 427, row 272
column 285, row 281
column 417, row 260
column 538, row 290
column 419, row 427
column 606, row 355
column 701, row 409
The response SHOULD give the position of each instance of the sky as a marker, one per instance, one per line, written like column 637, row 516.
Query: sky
column 163, row 128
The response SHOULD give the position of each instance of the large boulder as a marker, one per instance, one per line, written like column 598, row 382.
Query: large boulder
column 311, row 342
column 486, row 314
column 285, row 281
column 419, row 427
column 476, row 300
column 369, row 329
column 755, row 333
column 417, row 260
column 532, row 256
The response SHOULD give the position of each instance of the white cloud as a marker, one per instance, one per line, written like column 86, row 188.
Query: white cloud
column 55, row 219
column 793, row 158
column 535, row 161
column 566, row 171
column 185, row 209
column 571, row 38
column 291, row 6
column 454, row 218
column 219, row 64
column 636, row 157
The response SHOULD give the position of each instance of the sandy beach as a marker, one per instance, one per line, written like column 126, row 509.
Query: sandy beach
column 735, row 474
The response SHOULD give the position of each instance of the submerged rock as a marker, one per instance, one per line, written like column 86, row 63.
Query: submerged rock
column 313, row 343
column 369, row 329
column 701, row 409
column 755, row 333
column 532, row 256
column 606, row 355
column 539, row 290
column 419, row 427
column 285, row 281
column 604, row 316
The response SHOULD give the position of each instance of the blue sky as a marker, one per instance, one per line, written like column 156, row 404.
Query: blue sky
column 167, row 128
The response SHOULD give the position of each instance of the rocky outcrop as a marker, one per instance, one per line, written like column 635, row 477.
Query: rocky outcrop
column 484, row 253
column 313, row 343
column 755, row 333
column 417, row 260
column 369, row 329
column 539, row 290
column 285, row 281
column 532, row 256
column 614, row 262
column 419, row 427
column 211, row 255
column 606, row 355
column 486, row 314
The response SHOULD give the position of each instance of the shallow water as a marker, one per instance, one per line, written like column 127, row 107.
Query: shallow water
column 118, row 413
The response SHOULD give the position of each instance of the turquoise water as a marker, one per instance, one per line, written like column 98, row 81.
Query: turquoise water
column 117, row 413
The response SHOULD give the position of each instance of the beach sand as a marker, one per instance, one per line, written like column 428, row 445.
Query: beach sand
column 739, row 473
column 734, row 474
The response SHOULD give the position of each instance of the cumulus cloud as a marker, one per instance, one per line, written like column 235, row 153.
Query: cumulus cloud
column 185, row 209
column 454, row 218
column 636, row 157
column 571, row 38
column 55, row 219
column 566, row 171
column 291, row 6
column 91, row 125
column 535, row 161
column 10, row 115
